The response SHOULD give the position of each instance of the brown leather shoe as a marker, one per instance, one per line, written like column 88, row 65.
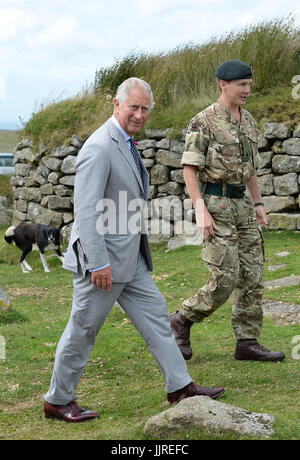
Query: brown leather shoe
column 181, row 327
column 69, row 413
column 192, row 389
column 251, row 350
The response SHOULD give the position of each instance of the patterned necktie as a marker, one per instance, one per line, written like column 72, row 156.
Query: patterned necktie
column 135, row 155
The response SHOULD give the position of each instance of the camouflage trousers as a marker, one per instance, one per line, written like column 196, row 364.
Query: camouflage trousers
column 235, row 261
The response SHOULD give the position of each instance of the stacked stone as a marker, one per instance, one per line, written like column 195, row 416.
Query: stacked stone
column 43, row 184
column 169, row 213
column 279, row 175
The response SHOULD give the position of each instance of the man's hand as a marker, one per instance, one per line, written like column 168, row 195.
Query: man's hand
column 205, row 222
column 255, row 194
column 261, row 216
column 102, row 279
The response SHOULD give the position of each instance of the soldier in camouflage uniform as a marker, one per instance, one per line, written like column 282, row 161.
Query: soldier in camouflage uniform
column 221, row 147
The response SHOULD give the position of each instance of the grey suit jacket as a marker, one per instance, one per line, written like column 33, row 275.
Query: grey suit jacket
column 109, row 227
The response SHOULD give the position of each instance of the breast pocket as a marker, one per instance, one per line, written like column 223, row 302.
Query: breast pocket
column 247, row 149
column 224, row 156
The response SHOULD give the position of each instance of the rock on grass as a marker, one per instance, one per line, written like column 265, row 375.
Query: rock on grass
column 204, row 413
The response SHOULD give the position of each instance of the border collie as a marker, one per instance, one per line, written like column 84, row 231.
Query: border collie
column 34, row 236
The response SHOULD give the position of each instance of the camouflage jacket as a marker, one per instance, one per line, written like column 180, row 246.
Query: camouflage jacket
column 223, row 149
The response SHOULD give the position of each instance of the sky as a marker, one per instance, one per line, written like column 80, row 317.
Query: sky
column 51, row 49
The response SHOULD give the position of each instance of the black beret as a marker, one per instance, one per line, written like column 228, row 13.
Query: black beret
column 233, row 70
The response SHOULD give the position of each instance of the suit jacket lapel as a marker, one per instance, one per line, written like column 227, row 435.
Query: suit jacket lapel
column 124, row 149
column 145, row 179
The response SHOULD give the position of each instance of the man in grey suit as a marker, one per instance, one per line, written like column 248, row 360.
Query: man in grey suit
column 110, row 257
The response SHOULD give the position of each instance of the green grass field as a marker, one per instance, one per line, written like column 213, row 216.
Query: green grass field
column 121, row 380
column 8, row 140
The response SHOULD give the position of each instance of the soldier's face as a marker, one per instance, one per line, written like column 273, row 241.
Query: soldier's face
column 133, row 113
column 237, row 91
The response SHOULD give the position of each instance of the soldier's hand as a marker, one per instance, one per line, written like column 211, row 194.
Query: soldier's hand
column 261, row 216
column 102, row 278
column 206, row 223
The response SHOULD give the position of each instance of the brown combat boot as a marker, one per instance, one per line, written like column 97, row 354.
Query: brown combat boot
column 251, row 350
column 181, row 326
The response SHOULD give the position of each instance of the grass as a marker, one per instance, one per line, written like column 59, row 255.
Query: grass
column 269, row 47
column 183, row 83
column 121, row 380
column 8, row 140
column 5, row 187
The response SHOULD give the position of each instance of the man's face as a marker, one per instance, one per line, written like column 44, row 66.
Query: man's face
column 133, row 113
column 236, row 91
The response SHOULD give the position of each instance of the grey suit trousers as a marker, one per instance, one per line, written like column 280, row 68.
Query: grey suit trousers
column 146, row 308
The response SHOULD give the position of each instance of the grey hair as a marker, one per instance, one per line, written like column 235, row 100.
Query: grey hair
column 127, row 85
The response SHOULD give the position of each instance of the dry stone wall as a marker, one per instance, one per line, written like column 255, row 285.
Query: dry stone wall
column 43, row 184
column 279, row 175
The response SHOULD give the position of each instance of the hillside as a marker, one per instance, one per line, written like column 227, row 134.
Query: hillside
column 8, row 139
column 183, row 83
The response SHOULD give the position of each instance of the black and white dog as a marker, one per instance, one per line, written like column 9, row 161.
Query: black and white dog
column 28, row 236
